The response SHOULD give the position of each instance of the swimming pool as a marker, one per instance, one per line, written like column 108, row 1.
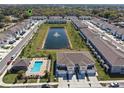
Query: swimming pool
column 37, row 66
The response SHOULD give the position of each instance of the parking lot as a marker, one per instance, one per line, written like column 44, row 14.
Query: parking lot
column 82, row 83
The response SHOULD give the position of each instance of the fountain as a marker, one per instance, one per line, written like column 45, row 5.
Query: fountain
column 56, row 34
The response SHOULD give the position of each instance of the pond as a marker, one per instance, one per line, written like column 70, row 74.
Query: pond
column 56, row 39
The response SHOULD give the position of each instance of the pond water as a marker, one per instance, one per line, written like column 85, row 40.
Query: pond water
column 56, row 39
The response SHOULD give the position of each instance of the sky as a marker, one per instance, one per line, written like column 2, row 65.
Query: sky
column 61, row 1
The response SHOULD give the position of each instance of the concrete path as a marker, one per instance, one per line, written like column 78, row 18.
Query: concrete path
column 94, row 82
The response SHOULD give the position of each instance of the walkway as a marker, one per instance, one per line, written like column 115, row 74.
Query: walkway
column 94, row 82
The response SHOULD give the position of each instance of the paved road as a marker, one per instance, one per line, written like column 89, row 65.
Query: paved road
column 15, row 50
column 28, row 84
column 121, row 85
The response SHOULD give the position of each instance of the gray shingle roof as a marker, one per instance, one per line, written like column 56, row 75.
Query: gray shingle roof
column 110, row 53
column 78, row 23
column 72, row 58
column 22, row 62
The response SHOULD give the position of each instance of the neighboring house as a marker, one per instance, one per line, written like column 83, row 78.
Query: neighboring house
column 74, row 63
column 38, row 17
column 108, row 27
column 85, row 17
column 70, row 17
column 56, row 21
column 55, row 17
column 20, row 64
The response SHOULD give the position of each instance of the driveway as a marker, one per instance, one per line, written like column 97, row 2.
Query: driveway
column 94, row 82
column 62, row 83
column 74, row 83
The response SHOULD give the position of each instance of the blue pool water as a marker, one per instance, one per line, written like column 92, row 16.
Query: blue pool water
column 37, row 66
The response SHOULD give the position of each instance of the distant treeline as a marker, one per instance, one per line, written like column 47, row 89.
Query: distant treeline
column 112, row 12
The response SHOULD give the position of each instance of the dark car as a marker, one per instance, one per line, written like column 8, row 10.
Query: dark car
column 46, row 86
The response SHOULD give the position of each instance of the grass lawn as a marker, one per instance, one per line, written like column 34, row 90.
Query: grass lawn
column 43, row 80
column 76, row 40
column 32, row 81
column 9, row 78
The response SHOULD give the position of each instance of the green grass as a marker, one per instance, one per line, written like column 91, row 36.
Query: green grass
column 9, row 78
column 101, row 73
column 53, row 59
column 52, row 66
column 76, row 40
column 43, row 80
column 32, row 81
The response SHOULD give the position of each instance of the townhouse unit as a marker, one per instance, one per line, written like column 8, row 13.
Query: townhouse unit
column 38, row 17
column 77, row 24
column 74, row 63
column 56, row 20
column 109, row 28
column 85, row 17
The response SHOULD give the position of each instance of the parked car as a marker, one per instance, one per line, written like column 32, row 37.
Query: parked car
column 46, row 86
column 13, row 56
column 114, row 84
column 8, row 62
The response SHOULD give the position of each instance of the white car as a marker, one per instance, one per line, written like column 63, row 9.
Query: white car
column 114, row 84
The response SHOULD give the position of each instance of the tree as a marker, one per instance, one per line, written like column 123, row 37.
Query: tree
column 20, row 74
column 7, row 19
column 1, row 17
column 46, row 74
column 50, row 56
column 26, row 79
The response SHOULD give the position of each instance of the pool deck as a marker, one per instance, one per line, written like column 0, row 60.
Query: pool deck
column 44, row 67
